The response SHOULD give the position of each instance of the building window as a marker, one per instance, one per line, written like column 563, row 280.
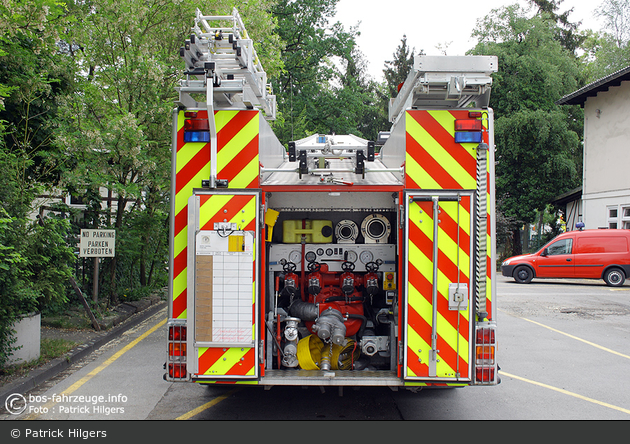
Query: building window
column 613, row 217
column 625, row 217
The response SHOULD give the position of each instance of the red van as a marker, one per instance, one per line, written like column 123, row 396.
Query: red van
column 588, row 254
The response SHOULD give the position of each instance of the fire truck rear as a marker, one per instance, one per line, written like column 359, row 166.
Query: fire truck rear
column 334, row 261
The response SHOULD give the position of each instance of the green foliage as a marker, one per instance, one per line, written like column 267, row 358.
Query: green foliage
column 535, row 161
column 608, row 51
column 397, row 70
column 566, row 32
column 538, row 150
column 32, row 258
column 535, row 70
column 323, row 87
column 113, row 129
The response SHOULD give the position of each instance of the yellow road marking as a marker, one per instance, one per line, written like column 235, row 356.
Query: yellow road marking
column 74, row 387
column 206, row 406
column 571, row 336
column 566, row 392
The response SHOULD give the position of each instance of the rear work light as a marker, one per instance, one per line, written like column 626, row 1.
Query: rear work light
column 485, row 355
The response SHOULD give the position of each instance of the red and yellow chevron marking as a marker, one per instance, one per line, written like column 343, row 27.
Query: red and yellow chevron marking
column 227, row 361
column 237, row 148
column 435, row 162
column 234, row 208
column 451, row 336
column 237, row 161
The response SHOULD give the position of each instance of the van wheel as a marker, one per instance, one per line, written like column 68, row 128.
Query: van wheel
column 523, row 275
column 614, row 277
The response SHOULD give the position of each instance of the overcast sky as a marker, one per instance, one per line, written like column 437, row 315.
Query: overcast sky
column 430, row 23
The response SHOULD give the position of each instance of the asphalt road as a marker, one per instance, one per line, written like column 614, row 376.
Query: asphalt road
column 564, row 353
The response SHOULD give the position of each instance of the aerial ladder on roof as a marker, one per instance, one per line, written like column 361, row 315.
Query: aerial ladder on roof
column 445, row 82
column 224, row 71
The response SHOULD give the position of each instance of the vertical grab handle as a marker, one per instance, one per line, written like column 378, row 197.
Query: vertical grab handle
column 434, row 296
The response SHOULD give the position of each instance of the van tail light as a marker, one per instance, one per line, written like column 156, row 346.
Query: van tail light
column 485, row 355
column 177, row 350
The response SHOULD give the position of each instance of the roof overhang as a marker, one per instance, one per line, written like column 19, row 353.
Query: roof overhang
column 569, row 196
column 592, row 89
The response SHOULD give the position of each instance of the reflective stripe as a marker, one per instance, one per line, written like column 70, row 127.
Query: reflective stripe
column 237, row 156
column 224, row 361
column 434, row 161
column 238, row 209
column 237, row 162
column 420, row 289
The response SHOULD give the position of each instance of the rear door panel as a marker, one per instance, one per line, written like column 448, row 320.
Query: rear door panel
column 431, row 282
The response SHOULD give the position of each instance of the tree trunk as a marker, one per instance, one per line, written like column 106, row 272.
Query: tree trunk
column 120, row 211
column 143, row 267
column 517, row 246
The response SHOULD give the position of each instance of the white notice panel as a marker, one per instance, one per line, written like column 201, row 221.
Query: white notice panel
column 97, row 243
column 231, row 285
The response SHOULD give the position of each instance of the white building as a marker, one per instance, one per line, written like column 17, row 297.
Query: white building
column 606, row 177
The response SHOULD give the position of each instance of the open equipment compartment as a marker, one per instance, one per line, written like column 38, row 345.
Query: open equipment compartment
column 332, row 268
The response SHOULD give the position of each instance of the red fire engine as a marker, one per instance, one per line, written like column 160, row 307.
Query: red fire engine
column 335, row 260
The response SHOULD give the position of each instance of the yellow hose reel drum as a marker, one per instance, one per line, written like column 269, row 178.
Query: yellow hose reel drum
column 311, row 349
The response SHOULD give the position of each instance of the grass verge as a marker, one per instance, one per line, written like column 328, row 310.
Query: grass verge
column 50, row 348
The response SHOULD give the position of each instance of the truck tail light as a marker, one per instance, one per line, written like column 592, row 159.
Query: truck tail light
column 177, row 371
column 485, row 355
column 177, row 348
column 177, row 333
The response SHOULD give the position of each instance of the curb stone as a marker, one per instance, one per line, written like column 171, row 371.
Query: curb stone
column 56, row 366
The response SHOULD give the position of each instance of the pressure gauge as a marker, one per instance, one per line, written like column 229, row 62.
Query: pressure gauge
column 320, row 251
column 295, row 257
column 351, row 256
column 310, row 256
column 366, row 256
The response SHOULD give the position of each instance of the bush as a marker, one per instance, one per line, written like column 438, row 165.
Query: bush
column 35, row 264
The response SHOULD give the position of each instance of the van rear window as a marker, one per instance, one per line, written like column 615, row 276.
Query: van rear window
column 602, row 245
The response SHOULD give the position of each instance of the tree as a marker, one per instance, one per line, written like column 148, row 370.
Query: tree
column 114, row 128
column 396, row 70
column 35, row 259
column 567, row 32
column 537, row 142
column 609, row 51
column 308, row 97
